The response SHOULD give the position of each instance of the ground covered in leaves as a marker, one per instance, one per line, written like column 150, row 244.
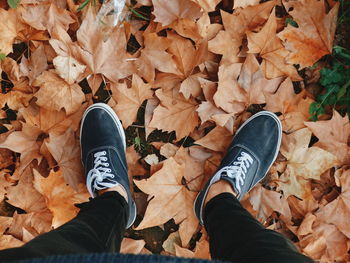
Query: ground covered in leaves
column 182, row 75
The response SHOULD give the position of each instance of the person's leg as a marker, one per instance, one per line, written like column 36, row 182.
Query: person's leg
column 99, row 227
column 234, row 235
column 100, row 224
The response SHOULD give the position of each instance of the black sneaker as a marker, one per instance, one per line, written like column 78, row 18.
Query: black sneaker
column 102, row 141
column 251, row 154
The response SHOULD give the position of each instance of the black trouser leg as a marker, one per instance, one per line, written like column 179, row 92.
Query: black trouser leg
column 99, row 227
column 234, row 235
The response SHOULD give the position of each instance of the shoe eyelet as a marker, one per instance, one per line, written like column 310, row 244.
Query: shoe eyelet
column 104, row 153
column 109, row 170
column 107, row 164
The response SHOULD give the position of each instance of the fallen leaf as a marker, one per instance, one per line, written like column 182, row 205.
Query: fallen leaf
column 60, row 197
column 69, row 97
column 167, row 12
column 168, row 194
column 68, row 68
column 129, row 100
column 66, row 151
column 131, row 246
column 303, row 163
column 313, row 38
column 218, row 139
column 272, row 51
column 333, row 135
column 8, row 30
column 24, row 196
column 175, row 113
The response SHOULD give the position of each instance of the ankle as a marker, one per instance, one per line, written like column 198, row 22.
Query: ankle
column 120, row 189
column 217, row 188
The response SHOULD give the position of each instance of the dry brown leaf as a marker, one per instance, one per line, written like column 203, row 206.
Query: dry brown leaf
column 24, row 196
column 169, row 193
column 168, row 150
column 303, row 163
column 154, row 56
column 333, row 135
column 8, row 241
column 337, row 212
column 265, row 202
column 8, row 30
column 167, row 12
column 229, row 95
column 60, row 197
column 68, row 68
column 132, row 158
column 131, row 246
column 37, row 63
column 244, row 3
column 313, row 38
column 175, row 113
column 129, row 100
column 66, row 151
column 55, row 93
column 253, row 82
column 217, row 139
column 271, row 50
column 294, row 107
column 236, row 24
column 208, row 5
column 24, row 142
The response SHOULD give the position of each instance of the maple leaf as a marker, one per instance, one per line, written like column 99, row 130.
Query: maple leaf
column 303, row 163
column 66, row 151
column 208, row 5
column 46, row 16
column 236, row 24
column 175, row 113
column 37, row 63
column 131, row 246
column 24, row 196
column 8, row 241
column 294, row 107
column 25, row 143
column 154, row 56
column 333, row 135
column 167, row 12
column 108, row 57
column 48, row 121
column 8, row 30
column 60, row 197
column 313, row 38
column 201, row 250
column 68, row 68
column 168, row 195
column 271, row 50
column 218, row 139
column 55, row 93
column 253, row 82
column 337, row 212
column 132, row 158
column 229, row 95
column 265, row 202
column 127, row 101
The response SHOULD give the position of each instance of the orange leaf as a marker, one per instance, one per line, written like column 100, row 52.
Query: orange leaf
column 175, row 113
column 66, row 151
column 333, row 135
column 313, row 38
column 167, row 12
column 129, row 100
column 60, row 197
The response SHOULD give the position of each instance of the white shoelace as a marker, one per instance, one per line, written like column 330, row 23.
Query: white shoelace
column 97, row 174
column 238, row 170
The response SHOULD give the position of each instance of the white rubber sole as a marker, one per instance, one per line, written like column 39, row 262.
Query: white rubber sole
column 111, row 113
